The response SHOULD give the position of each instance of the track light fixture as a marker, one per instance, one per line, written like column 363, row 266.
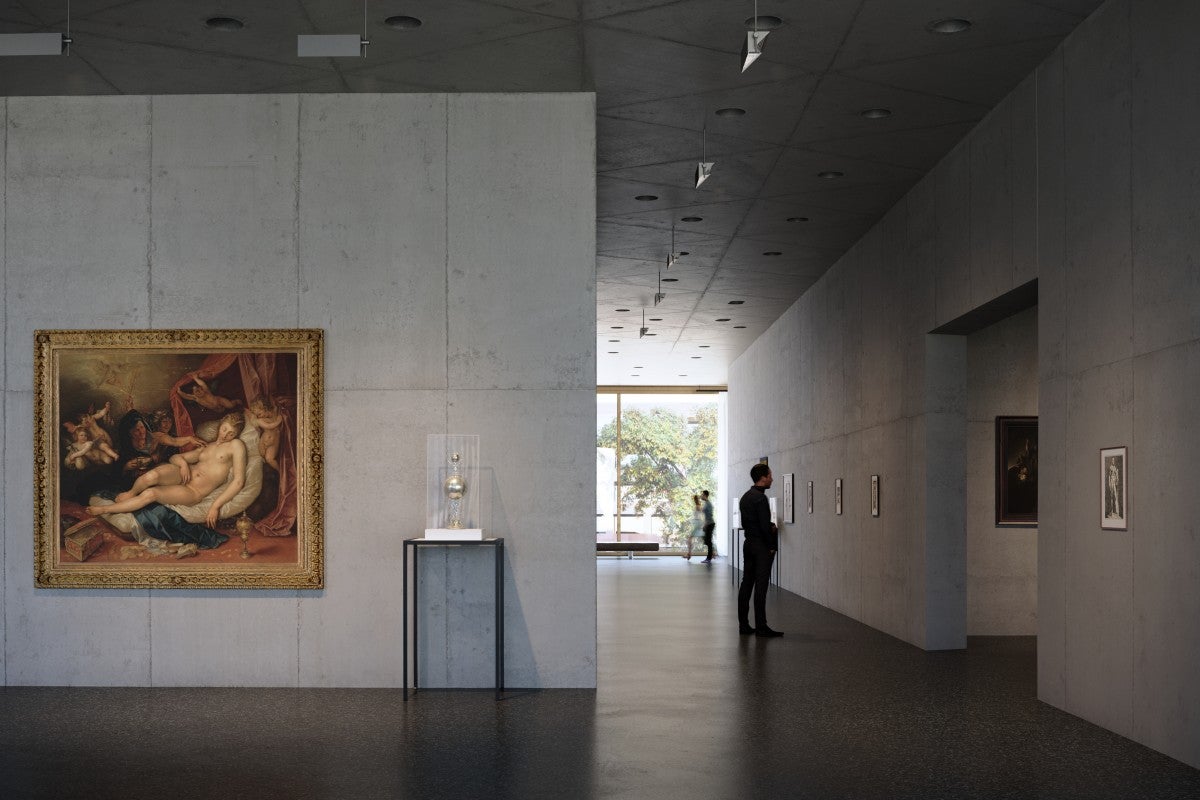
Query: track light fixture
column 674, row 255
column 334, row 45
column 37, row 44
column 752, row 47
column 643, row 330
column 703, row 168
column 659, row 296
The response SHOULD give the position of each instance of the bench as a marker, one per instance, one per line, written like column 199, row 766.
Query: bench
column 629, row 548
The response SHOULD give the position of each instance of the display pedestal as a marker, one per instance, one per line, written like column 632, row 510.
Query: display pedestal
column 454, row 534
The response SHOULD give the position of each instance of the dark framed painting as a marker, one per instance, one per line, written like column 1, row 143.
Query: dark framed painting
column 178, row 459
column 1114, row 492
column 1016, row 472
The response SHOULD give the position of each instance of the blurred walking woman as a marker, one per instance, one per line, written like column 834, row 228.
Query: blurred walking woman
column 697, row 524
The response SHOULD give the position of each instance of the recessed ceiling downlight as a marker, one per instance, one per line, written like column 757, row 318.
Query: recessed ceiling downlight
column 763, row 22
column 876, row 113
column 797, row 219
column 224, row 24
column 670, row 280
column 739, row 326
column 692, row 219
column 646, row 198
column 772, row 253
column 731, row 112
column 829, row 174
column 948, row 25
column 402, row 23
column 722, row 319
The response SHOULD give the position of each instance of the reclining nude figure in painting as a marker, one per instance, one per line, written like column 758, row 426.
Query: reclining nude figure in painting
column 190, row 477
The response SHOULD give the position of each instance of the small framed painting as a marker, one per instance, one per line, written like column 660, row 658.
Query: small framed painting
column 1114, row 489
column 789, row 504
column 810, row 497
column 874, row 495
column 1016, row 472
column 837, row 496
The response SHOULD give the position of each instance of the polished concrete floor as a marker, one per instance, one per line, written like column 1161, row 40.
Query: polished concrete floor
column 685, row 709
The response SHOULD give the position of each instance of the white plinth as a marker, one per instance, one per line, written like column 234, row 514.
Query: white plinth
column 454, row 534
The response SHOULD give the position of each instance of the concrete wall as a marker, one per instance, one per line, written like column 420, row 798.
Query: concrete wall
column 428, row 237
column 1085, row 178
column 1001, row 562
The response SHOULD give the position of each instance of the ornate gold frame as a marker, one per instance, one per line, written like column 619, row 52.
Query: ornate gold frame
column 52, row 571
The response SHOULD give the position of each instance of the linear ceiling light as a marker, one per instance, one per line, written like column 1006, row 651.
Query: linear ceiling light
column 334, row 45
column 752, row 47
column 37, row 44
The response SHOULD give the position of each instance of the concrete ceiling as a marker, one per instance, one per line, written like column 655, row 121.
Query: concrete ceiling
column 661, row 69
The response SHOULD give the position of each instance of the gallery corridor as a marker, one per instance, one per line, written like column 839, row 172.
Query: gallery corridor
column 685, row 709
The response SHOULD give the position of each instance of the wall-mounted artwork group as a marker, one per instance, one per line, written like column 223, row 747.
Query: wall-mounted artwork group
column 179, row 458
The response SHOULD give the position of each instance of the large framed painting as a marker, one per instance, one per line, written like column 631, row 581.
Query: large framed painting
column 1016, row 472
column 179, row 458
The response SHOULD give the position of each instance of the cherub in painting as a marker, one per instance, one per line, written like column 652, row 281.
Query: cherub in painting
column 204, row 397
column 265, row 416
column 90, row 442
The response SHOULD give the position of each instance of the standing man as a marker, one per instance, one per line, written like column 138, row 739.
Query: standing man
column 758, row 553
column 709, row 525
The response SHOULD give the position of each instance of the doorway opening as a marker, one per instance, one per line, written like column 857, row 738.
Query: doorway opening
column 654, row 451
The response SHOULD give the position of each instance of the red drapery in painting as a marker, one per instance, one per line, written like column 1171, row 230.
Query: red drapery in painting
column 256, row 373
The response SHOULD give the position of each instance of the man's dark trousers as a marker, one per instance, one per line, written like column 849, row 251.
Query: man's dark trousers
column 756, row 577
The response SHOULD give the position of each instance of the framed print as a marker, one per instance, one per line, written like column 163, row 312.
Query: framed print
column 837, row 496
column 789, row 500
column 810, row 497
column 1016, row 472
column 874, row 495
column 179, row 459
column 1114, row 491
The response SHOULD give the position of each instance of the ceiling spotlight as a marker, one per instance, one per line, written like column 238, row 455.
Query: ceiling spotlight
column 830, row 173
column 646, row 198
column 752, row 47
column 403, row 23
column 659, row 296
column 704, row 168
column 37, row 44
column 331, row 45
column 731, row 112
column 948, row 26
column 876, row 113
column 643, row 330
column 34, row 44
column 223, row 24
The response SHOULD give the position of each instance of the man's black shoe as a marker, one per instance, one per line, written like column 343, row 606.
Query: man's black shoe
column 745, row 630
column 765, row 631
